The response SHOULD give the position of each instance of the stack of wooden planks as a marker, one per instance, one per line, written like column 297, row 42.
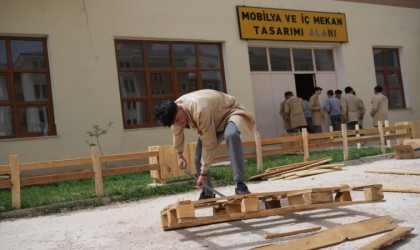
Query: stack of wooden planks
column 297, row 170
column 238, row 207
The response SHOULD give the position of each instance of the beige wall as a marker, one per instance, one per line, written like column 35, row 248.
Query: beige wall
column 81, row 35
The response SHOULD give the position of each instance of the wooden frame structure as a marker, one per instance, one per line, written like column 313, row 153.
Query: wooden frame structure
column 184, row 214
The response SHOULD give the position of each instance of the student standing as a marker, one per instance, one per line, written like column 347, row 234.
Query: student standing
column 333, row 108
column 294, row 111
column 318, row 118
column 379, row 103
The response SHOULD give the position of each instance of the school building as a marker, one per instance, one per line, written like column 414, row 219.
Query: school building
column 67, row 65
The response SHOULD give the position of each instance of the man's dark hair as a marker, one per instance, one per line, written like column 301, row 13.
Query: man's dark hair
column 348, row 90
column 317, row 88
column 330, row 92
column 165, row 112
column 288, row 93
column 378, row 89
column 338, row 92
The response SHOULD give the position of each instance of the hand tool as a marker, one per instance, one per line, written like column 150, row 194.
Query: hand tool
column 184, row 167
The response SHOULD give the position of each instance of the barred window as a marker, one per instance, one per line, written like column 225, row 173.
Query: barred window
column 152, row 71
column 26, row 106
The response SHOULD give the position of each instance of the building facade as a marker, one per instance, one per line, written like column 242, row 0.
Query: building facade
column 67, row 65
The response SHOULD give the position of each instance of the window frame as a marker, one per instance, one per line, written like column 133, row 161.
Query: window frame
column 385, row 69
column 173, row 70
column 292, row 59
column 17, row 105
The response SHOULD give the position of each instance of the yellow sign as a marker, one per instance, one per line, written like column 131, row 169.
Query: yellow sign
column 291, row 25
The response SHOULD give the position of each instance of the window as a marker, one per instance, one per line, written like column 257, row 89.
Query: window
column 302, row 59
column 280, row 59
column 258, row 59
column 324, row 60
column 388, row 75
column 26, row 106
column 151, row 71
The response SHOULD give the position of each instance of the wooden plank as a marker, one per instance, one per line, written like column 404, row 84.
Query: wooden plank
column 381, row 136
column 289, row 233
column 392, row 172
column 387, row 132
column 155, row 174
column 325, row 135
column 55, row 164
column 373, row 193
column 185, row 210
column 293, row 165
column 305, row 145
column 386, row 240
column 129, row 156
column 345, row 142
column 249, row 204
column 6, row 183
column 281, row 140
column 278, row 151
column 276, row 176
column 53, row 178
column 401, row 190
column 258, row 149
column 415, row 129
column 338, row 234
column 130, row 169
column 15, row 180
column 343, row 196
column 4, row 169
column 97, row 171
column 312, row 172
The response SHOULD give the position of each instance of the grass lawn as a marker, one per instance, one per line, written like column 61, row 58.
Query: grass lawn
column 135, row 186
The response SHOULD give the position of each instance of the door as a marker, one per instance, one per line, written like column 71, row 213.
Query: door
column 269, row 91
column 304, row 85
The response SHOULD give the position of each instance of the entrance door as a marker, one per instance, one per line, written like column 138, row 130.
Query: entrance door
column 305, row 84
column 269, row 91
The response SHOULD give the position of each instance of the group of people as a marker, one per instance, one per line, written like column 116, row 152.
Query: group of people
column 217, row 116
column 348, row 109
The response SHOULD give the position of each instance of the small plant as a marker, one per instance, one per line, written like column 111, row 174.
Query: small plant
column 96, row 133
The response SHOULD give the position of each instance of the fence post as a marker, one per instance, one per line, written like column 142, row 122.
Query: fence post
column 381, row 136
column 258, row 150
column 15, row 178
column 332, row 137
column 345, row 141
column 388, row 142
column 305, row 144
column 97, row 170
column 358, row 135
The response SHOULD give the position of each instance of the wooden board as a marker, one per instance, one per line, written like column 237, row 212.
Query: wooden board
column 392, row 172
column 338, row 234
column 395, row 235
column 292, row 232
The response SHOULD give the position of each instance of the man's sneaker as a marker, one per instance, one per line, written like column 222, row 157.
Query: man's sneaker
column 241, row 188
column 203, row 196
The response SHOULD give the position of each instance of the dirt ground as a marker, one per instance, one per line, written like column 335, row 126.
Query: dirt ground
column 136, row 225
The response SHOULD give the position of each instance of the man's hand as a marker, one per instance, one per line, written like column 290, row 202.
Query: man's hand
column 181, row 160
column 201, row 180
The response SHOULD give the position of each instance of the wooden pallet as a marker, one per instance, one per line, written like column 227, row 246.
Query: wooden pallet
column 186, row 213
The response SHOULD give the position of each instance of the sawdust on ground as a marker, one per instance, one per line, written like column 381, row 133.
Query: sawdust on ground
column 136, row 225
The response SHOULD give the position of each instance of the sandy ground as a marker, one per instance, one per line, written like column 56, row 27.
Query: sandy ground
column 136, row 225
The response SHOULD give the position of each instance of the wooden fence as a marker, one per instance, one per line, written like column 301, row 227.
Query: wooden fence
column 162, row 159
